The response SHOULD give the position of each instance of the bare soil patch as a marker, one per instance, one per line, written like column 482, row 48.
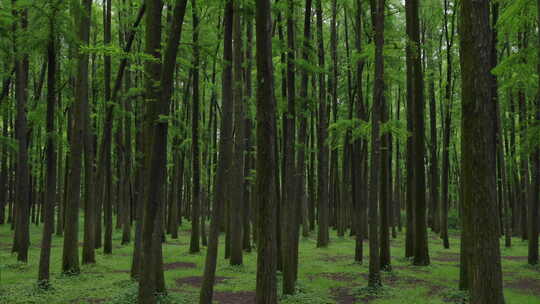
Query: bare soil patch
column 238, row 297
column 337, row 258
column 514, row 258
column 196, row 281
column 337, row 276
column 342, row 295
column 446, row 257
column 528, row 285
column 178, row 265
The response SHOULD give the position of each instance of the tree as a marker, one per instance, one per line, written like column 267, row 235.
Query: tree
column 266, row 291
column 50, row 191
column 196, row 170
column 447, row 126
column 150, row 271
column 535, row 193
column 70, row 256
column 237, row 184
column 322, row 135
column 421, row 254
column 359, row 159
column 224, row 161
column 289, row 208
column 21, row 237
column 480, row 218
column 377, row 11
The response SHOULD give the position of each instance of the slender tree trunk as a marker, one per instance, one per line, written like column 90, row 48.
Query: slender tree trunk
column 377, row 11
column 50, row 189
column 195, row 156
column 266, row 291
column 301, row 196
column 290, row 203
column 237, row 183
column 447, row 126
column 70, row 257
column 421, row 253
column 322, row 134
column 535, row 193
column 359, row 146
column 23, row 185
column 223, row 174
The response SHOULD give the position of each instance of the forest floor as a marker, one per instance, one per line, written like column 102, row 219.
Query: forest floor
column 326, row 275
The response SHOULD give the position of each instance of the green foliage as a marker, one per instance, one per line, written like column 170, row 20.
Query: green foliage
column 454, row 221
column 457, row 297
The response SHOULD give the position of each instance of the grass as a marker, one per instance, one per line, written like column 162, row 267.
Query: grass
column 327, row 275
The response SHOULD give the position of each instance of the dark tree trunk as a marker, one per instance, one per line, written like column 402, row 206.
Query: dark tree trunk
column 223, row 174
column 154, row 146
column 289, row 202
column 195, row 156
column 50, row 187
column 322, row 134
column 237, row 182
column 377, row 11
column 301, row 196
column 23, row 186
column 447, row 126
column 70, row 257
column 266, row 291
column 384, row 194
column 535, row 191
column 414, row 60
column 478, row 154
column 359, row 147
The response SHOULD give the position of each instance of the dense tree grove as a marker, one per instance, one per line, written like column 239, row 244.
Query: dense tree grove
column 269, row 124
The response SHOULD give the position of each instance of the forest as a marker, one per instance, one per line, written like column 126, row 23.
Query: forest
column 269, row 151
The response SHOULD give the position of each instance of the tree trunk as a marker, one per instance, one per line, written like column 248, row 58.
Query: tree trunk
column 70, row 257
column 322, row 134
column 377, row 11
column 478, row 154
column 195, row 156
column 224, row 162
column 535, row 193
column 266, row 291
column 50, row 187
column 237, row 182
column 421, row 254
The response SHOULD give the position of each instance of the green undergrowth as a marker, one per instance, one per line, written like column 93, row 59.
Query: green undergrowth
column 326, row 275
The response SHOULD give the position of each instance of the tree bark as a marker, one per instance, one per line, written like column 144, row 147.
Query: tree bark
column 223, row 174
column 266, row 291
column 478, row 154
column 322, row 134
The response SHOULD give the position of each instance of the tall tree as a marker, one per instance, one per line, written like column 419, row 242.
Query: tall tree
column 22, row 197
column 377, row 11
column 447, row 124
column 266, row 291
column 290, row 203
column 224, row 161
column 414, row 60
column 106, row 197
column 70, row 256
column 195, row 149
column 50, row 189
column 322, row 134
column 237, row 183
column 156, row 144
column 359, row 145
column 535, row 193
column 479, row 199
